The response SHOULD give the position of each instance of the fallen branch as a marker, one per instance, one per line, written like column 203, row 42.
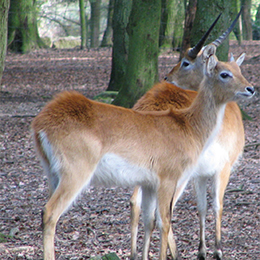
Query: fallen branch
column 254, row 144
column 17, row 116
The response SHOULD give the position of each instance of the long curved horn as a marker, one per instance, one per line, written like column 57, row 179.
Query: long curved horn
column 196, row 49
column 222, row 37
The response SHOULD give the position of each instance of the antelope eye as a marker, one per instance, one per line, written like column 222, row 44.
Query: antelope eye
column 185, row 64
column 225, row 75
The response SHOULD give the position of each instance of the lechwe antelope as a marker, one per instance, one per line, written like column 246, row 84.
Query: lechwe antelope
column 82, row 142
column 218, row 158
column 216, row 162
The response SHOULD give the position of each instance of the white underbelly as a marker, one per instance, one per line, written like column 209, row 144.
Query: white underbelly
column 113, row 170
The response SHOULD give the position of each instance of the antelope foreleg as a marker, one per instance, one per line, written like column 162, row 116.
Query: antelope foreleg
column 135, row 203
column 221, row 181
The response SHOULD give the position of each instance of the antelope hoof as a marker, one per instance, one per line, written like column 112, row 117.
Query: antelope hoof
column 218, row 254
column 201, row 255
column 133, row 257
column 176, row 256
column 202, row 251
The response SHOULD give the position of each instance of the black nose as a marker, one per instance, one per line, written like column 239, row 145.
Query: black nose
column 165, row 78
column 251, row 90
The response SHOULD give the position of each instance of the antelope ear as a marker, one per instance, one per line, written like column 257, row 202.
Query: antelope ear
column 211, row 63
column 240, row 59
column 231, row 57
column 208, row 51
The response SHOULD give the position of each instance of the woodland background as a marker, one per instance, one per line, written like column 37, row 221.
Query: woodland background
column 136, row 30
column 99, row 221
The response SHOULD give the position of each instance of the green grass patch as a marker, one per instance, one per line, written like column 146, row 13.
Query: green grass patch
column 106, row 96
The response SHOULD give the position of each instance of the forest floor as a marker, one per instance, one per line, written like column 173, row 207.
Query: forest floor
column 99, row 222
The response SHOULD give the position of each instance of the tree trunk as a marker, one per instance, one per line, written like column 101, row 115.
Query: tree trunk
column 178, row 18
column 107, row 37
column 3, row 33
column 167, row 23
column 256, row 32
column 246, row 20
column 207, row 12
column 22, row 26
column 234, row 9
column 142, row 65
column 83, row 24
column 122, row 9
column 190, row 12
column 95, row 23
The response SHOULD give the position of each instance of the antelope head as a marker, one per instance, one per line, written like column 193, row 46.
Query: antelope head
column 188, row 73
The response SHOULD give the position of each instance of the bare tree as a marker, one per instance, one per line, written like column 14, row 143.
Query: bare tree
column 22, row 26
column 3, row 33
column 107, row 37
column 122, row 9
column 83, row 24
column 246, row 19
column 190, row 12
column 94, row 22
column 207, row 11
column 142, row 65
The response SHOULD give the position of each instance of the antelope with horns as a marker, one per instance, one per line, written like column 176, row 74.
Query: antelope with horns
column 82, row 142
column 218, row 159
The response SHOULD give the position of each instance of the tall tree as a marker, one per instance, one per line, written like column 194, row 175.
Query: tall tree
column 107, row 37
column 207, row 11
column 3, row 33
column 142, row 65
column 234, row 9
column 95, row 22
column 171, row 28
column 190, row 11
column 167, row 23
column 256, row 31
column 246, row 19
column 179, row 17
column 122, row 9
column 83, row 27
column 22, row 26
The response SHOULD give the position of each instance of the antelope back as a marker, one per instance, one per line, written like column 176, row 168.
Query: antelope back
column 164, row 95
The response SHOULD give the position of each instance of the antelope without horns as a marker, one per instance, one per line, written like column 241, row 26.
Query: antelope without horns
column 218, row 159
column 82, row 142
